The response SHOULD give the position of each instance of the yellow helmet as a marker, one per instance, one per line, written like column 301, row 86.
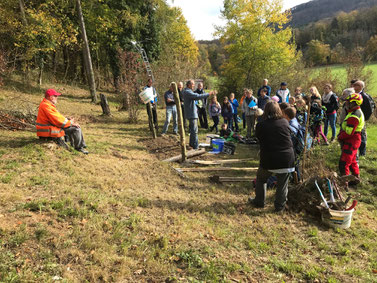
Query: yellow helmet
column 355, row 97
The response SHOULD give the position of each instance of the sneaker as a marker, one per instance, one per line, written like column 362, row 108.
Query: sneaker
column 83, row 150
column 163, row 134
column 252, row 201
column 332, row 139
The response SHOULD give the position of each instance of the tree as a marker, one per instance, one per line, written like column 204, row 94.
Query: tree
column 257, row 42
column 317, row 53
column 371, row 48
column 87, row 57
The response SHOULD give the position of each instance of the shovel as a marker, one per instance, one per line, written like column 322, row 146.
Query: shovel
column 330, row 191
column 320, row 192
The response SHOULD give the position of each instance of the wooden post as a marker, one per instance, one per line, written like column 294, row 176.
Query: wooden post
column 180, row 121
column 150, row 120
column 105, row 105
column 304, row 157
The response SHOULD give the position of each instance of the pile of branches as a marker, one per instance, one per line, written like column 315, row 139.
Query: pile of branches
column 17, row 120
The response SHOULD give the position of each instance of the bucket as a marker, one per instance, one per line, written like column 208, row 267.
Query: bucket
column 337, row 218
column 146, row 95
column 217, row 145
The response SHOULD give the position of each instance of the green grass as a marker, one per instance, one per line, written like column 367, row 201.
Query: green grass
column 340, row 71
column 129, row 217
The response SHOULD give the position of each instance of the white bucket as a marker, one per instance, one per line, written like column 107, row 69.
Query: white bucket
column 337, row 218
column 146, row 95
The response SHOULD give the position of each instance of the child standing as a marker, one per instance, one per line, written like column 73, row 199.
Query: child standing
column 249, row 107
column 330, row 101
column 214, row 110
column 235, row 105
column 316, row 117
column 227, row 112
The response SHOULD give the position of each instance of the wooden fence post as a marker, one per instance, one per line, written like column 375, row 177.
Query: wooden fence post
column 180, row 121
column 304, row 155
column 150, row 120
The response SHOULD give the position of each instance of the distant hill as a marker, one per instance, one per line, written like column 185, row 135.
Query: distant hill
column 316, row 10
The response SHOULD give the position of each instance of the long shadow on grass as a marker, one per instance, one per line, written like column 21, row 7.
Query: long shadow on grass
column 22, row 86
column 19, row 142
column 229, row 208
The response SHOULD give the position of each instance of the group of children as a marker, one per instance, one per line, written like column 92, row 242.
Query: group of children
column 323, row 110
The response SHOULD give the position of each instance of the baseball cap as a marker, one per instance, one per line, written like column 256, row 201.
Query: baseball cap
column 52, row 92
column 283, row 83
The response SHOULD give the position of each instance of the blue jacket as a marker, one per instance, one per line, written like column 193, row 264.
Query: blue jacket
column 268, row 90
column 191, row 111
column 235, row 105
column 263, row 101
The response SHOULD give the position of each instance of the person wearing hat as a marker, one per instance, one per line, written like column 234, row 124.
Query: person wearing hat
column 350, row 137
column 283, row 93
column 52, row 125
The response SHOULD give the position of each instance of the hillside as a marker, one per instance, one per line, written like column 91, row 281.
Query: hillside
column 119, row 214
column 316, row 10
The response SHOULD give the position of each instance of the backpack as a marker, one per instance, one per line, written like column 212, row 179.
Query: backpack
column 298, row 140
column 368, row 105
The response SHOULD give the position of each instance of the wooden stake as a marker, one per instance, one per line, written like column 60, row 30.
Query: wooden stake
column 180, row 121
column 150, row 119
column 219, row 179
column 207, row 169
column 219, row 162
column 304, row 157
column 189, row 154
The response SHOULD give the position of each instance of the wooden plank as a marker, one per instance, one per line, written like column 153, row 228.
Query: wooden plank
column 189, row 154
column 213, row 169
column 219, row 179
column 219, row 162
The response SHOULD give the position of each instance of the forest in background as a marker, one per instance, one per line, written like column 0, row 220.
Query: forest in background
column 41, row 41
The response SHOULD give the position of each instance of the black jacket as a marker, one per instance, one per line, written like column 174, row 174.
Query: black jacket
column 276, row 148
column 332, row 105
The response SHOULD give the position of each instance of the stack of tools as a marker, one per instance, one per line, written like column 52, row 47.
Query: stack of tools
column 324, row 197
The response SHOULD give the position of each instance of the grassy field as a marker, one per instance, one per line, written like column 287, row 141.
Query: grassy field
column 340, row 71
column 120, row 214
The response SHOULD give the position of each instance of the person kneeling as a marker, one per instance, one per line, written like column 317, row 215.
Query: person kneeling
column 52, row 125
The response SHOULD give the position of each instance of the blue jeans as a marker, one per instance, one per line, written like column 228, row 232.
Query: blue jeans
column 171, row 111
column 193, row 130
column 330, row 119
column 235, row 120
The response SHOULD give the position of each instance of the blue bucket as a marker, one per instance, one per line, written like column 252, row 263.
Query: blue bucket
column 217, row 145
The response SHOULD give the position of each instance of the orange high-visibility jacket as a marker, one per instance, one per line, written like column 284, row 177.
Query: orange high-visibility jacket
column 50, row 123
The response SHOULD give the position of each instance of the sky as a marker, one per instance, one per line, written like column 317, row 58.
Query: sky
column 202, row 15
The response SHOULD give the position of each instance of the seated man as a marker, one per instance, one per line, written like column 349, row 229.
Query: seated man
column 53, row 125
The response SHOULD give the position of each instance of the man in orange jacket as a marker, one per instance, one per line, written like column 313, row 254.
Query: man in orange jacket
column 51, row 124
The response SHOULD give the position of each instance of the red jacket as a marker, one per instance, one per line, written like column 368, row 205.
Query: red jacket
column 50, row 123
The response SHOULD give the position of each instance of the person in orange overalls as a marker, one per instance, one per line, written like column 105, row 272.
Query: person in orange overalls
column 350, row 137
column 52, row 125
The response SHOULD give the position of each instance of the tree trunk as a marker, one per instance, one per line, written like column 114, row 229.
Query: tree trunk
column 86, row 51
column 105, row 105
column 22, row 8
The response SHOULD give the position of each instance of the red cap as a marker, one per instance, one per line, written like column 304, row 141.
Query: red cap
column 52, row 92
